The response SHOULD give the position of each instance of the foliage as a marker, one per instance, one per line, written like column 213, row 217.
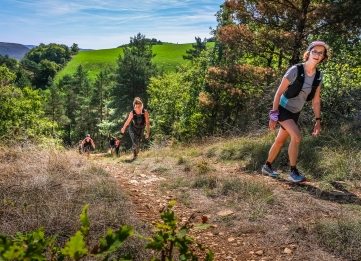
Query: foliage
column 57, row 53
column 6, row 77
column 175, row 101
column 283, row 28
column 10, row 63
column 35, row 246
column 170, row 236
column 152, row 41
column 341, row 85
column 45, row 61
column 74, row 49
column 21, row 109
column 166, row 92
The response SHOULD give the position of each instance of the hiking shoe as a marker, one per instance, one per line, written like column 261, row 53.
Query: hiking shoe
column 269, row 171
column 295, row 176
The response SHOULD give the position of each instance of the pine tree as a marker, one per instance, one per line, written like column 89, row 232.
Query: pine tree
column 132, row 75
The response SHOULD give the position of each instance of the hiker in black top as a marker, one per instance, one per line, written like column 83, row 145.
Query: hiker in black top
column 111, row 143
column 88, row 145
column 301, row 83
column 138, row 120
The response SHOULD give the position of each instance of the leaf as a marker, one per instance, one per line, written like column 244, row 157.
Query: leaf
column 85, row 221
column 75, row 247
column 182, row 233
column 14, row 252
column 159, row 240
column 95, row 249
column 113, row 241
column 169, row 219
column 209, row 255
column 171, row 204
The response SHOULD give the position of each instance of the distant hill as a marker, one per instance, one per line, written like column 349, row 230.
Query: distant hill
column 168, row 57
column 14, row 50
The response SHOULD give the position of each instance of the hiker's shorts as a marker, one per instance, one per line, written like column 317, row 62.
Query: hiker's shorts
column 88, row 148
column 285, row 114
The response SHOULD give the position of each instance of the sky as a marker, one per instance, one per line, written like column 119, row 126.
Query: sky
column 103, row 24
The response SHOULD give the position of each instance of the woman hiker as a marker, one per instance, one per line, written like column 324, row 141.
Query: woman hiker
column 301, row 83
column 138, row 120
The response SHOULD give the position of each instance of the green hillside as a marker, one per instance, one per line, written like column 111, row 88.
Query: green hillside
column 168, row 56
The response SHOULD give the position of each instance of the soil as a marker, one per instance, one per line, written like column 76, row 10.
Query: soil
column 281, row 231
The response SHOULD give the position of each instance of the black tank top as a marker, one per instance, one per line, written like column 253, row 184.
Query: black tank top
column 138, row 120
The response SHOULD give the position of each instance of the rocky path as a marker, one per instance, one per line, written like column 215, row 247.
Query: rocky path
column 140, row 179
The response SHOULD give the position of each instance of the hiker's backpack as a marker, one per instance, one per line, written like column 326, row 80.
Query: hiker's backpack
column 294, row 89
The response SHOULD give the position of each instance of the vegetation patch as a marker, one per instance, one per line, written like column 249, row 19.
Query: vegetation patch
column 340, row 236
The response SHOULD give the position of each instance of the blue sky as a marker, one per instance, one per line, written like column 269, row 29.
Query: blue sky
column 102, row 24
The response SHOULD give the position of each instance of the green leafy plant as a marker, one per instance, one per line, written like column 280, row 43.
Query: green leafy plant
column 170, row 236
column 35, row 246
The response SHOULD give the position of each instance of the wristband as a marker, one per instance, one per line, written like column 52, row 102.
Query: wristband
column 318, row 119
column 273, row 115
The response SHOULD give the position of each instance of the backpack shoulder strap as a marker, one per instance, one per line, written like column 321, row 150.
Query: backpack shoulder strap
column 317, row 79
column 300, row 71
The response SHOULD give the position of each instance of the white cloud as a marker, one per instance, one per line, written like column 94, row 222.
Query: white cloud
column 100, row 24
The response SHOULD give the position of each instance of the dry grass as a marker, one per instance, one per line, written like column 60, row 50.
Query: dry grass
column 272, row 214
column 49, row 187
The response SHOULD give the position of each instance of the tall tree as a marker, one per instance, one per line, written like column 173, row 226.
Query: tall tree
column 279, row 30
column 67, row 86
column 54, row 106
column 196, row 50
column 132, row 75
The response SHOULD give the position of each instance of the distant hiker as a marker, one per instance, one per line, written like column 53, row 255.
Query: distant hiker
column 88, row 145
column 139, row 119
column 80, row 146
column 117, row 146
column 301, row 83
column 111, row 143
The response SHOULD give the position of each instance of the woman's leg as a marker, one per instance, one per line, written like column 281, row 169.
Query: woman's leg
column 136, row 136
column 293, row 130
column 277, row 145
column 132, row 136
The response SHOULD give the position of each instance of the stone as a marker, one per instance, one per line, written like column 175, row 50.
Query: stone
column 224, row 213
column 287, row 251
column 231, row 239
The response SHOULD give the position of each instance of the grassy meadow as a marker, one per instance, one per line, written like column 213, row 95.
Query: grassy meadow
column 168, row 57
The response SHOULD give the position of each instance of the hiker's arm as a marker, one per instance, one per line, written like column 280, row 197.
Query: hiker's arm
column 316, row 105
column 146, row 115
column 130, row 117
column 276, row 101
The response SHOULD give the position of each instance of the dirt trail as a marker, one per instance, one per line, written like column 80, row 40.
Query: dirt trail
column 231, row 235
